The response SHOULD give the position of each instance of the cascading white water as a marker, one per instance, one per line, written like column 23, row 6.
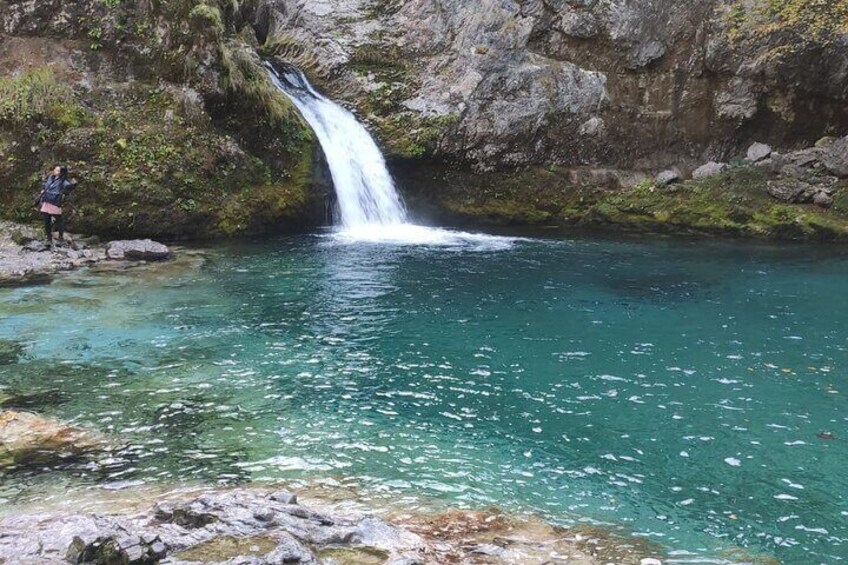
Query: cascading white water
column 369, row 206
column 364, row 187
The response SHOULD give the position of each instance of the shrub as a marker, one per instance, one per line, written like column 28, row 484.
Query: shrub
column 36, row 95
column 795, row 23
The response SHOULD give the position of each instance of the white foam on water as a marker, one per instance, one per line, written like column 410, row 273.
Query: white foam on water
column 411, row 234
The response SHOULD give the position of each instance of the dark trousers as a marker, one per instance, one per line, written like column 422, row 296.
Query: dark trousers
column 48, row 225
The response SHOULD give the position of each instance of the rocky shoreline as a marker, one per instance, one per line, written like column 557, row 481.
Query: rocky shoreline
column 260, row 525
column 25, row 258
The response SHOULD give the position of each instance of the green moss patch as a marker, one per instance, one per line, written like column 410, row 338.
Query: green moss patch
column 732, row 204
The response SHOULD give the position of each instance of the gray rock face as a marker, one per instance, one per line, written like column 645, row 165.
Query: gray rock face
column 835, row 158
column 757, row 152
column 137, row 250
column 823, row 199
column 790, row 190
column 530, row 81
column 207, row 525
column 710, row 169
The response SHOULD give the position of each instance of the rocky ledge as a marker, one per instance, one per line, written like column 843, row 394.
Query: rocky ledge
column 25, row 258
column 258, row 526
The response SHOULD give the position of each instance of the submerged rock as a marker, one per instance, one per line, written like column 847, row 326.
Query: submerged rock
column 10, row 351
column 137, row 250
column 26, row 438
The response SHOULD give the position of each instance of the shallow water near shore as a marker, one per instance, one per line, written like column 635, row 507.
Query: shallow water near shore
column 684, row 391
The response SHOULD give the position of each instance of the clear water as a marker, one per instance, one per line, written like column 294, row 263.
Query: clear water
column 673, row 390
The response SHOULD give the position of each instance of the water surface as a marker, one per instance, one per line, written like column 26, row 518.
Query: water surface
column 682, row 391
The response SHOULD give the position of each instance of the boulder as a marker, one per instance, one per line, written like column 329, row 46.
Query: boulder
column 822, row 199
column 26, row 438
column 791, row 190
column 711, row 169
column 757, row 152
column 835, row 158
column 137, row 250
column 667, row 177
column 805, row 157
column 773, row 164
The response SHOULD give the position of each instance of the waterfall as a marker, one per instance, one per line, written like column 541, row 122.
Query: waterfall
column 365, row 191
column 369, row 208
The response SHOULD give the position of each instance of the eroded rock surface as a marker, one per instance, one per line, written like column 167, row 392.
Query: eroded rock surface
column 258, row 526
column 518, row 82
column 26, row 438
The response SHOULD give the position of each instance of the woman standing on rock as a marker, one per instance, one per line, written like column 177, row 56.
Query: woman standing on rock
column 49, row 202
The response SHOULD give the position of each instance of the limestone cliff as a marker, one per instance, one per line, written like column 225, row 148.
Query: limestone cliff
column 621, row 83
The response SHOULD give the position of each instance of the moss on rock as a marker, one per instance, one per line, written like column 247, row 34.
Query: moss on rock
column 197, row 142
column 735, row 203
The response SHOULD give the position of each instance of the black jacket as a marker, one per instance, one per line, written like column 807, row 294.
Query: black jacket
column 55, row 189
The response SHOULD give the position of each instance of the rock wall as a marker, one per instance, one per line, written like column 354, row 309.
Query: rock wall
column 625, row 83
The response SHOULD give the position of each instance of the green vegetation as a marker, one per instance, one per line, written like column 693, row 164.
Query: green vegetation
column 207, row 19
column 198, row 144
column 732, row 204
column 794, row 24
column 36, row 96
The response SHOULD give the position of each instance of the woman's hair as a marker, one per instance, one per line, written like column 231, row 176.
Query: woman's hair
column 63, row 171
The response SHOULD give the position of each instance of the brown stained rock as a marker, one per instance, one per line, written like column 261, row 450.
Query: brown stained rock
column 27, row 438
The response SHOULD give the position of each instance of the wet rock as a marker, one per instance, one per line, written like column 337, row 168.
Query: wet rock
column 296, row 534
column 710, row 169
column 667, row 177
column 757, row 152
column 137, row 250
column 26, row 259
column 835, row 158
column 489, row 549
column 29, row 439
